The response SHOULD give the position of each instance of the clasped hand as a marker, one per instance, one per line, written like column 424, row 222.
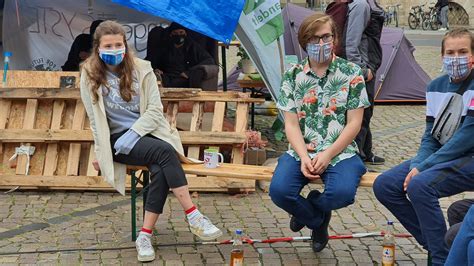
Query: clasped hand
column 314, row 168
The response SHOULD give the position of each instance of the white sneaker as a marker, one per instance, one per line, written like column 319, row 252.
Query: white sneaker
column 442, row 29
column 144, row 247
column 204, row 229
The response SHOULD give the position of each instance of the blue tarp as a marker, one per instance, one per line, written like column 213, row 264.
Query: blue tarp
column 214, row 18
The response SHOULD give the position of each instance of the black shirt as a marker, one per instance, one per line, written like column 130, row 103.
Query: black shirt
column 175, row 62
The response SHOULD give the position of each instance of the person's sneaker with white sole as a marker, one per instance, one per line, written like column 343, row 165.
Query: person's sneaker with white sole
column 144, row 247
column 204, row 229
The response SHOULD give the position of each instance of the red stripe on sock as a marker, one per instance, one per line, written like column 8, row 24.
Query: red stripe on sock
column 190, row 210
column 148, row 231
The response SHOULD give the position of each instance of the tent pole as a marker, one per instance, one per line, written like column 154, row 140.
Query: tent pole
column 282, row 66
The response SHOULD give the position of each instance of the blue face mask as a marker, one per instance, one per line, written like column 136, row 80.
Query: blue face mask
column 319, row 52
column 112, row 57
column 457, row 67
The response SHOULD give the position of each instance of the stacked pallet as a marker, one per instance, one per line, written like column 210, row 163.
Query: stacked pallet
column 43, row 110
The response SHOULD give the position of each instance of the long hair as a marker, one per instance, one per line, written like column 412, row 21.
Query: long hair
column 96, row 68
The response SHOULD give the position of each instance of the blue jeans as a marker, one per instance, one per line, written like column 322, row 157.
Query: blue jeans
column 340, row 186
column 444, row 16
column 462, row 250
column 418, row 208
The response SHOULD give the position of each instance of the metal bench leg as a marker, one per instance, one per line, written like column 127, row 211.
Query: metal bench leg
column 134, row 205
column 146, row 180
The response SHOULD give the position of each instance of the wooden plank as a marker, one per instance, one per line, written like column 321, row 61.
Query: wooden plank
column 90, row 168
column 241, row 117
column 97, row 182
column 240, row 171
column 40, row 93
column 196, row 123
column 72, row 167
column 4, row 115
column 4, row 112
column 84, row 135
column 221, row 97
column 37, row 79
column 51, row 160
column 218, row 118
column 172, row 113
column 241, row 120
column 28, row 123
column 74, row 94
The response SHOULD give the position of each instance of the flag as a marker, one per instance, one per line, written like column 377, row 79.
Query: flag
column 266, row 18
column 216, row 19
column 260, row 30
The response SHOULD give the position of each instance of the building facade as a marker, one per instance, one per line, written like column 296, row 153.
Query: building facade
column 461, row 11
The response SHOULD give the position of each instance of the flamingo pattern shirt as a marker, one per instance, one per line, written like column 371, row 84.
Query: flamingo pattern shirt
column 121, row 115
column 321, row 104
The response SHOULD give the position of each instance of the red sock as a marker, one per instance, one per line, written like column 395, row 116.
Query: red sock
column 148, row 231
column 190, row 210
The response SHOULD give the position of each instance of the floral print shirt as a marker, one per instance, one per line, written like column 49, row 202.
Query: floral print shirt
column 322, row 103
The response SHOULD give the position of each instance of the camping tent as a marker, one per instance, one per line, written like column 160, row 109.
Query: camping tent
column 399, row 79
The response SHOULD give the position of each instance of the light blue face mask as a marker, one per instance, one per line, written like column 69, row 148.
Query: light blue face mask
column 112, row 57
column 457, row 67
column 319, row 52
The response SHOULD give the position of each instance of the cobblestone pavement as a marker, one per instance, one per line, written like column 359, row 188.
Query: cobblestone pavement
column 40, row 221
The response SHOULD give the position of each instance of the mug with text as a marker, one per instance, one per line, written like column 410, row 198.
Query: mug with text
column 211, row 158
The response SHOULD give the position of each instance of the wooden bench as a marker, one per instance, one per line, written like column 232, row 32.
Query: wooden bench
column 240, row 171
column 44, row 110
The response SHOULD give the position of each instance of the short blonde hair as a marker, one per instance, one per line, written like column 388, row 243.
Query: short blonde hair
column 458, row 33
column 312, row 24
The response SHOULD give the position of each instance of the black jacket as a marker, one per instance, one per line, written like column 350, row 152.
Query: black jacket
column 82, row 43
column 195, row 55
column 442, row 3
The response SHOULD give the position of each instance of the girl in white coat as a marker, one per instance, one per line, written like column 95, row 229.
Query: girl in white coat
column 122, row 100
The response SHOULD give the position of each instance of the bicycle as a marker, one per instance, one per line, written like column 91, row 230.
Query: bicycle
column 416, row 16
column 434, row 19
column 392, row 14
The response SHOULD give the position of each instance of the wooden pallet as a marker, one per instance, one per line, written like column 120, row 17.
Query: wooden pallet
column 36, row 111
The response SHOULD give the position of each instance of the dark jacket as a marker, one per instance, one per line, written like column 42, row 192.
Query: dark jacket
column 442, row 3
column 82, row 43
column 194, row 55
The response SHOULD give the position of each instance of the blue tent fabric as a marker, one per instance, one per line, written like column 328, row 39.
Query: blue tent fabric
column 216, row 19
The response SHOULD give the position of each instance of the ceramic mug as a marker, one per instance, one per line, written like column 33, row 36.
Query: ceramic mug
column 211, row 158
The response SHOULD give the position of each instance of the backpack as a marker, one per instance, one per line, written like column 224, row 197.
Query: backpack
column 338, row 10
column 449, row 119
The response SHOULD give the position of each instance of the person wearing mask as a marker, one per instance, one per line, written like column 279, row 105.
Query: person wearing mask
column 323, row 100
column 80, row 48
column 444, row 163
column 361, row 45
column 176, row 64
column 122, row 100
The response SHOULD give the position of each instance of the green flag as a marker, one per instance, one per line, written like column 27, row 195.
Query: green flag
column 266, row 18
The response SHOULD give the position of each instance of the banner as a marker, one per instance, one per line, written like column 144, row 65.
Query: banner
column 260, row 31
column 266, row 19
column 40, row 32
column 214, row 18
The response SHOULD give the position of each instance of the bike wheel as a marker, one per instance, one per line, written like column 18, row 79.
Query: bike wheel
column 425, row 24
column 412, row 21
